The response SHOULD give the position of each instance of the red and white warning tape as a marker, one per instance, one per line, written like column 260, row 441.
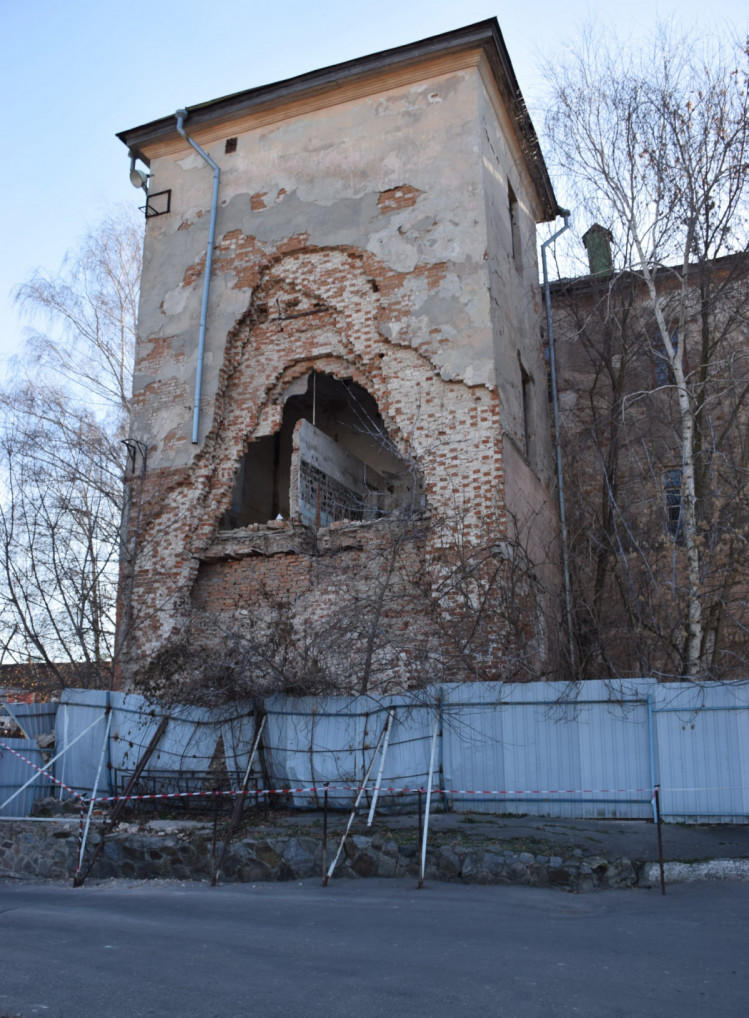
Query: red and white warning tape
column 321, row 789
column 316, row 789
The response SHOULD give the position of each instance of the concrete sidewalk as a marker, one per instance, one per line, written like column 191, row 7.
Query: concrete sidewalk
column 686, row 847
column 635, row 839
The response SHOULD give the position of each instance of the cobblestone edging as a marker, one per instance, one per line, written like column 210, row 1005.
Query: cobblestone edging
column 30, row 850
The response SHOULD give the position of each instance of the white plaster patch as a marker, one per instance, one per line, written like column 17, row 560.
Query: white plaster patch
column 391, row 249
column 450, row 286
column 480, row 373
column 175, row 300
column 234, row 302
column 191, row 162
column 477, row 307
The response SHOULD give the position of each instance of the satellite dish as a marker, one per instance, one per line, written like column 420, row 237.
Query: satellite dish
column 138, row 178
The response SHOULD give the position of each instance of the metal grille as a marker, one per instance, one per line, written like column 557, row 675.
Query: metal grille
column 322, row 497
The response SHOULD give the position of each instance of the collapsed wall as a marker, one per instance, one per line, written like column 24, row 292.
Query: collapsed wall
column 372, row 363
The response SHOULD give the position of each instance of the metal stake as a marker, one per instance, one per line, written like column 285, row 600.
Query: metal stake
column 239, row 802
column 329, row 874
column 660, row 837
column 324, row 833
column 421, row 825
column 78, row 880
column 122, row 801
column 422, row 866
column 378, row 783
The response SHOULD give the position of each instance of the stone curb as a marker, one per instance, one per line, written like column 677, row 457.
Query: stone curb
column 177, row 851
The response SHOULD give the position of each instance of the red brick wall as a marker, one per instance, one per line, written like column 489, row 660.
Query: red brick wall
column 335, row 303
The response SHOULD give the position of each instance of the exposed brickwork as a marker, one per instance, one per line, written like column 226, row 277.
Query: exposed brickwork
column 395, row 198
column 312, row 275
column 452, row 430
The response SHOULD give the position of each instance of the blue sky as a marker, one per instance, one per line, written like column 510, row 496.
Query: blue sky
column 73, row 72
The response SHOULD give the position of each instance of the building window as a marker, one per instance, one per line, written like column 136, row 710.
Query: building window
column 525, row 384
column 514, row 225
column 662, row 371
column 672, row 489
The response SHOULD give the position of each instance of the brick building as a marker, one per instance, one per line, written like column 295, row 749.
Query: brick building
column 623, row 448
column 341, row 465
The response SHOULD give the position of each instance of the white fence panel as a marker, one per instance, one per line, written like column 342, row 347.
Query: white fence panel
column 702, row 740
column 32, row 718
column 548, row 749
column 183, row 756
column 593, row 750
column 309, row 741
column 14, row 773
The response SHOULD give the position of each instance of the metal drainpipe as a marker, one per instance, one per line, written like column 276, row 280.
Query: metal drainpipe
column 557, row 440
column 181, row 116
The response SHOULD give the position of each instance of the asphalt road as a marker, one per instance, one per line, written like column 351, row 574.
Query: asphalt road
column 371, row 948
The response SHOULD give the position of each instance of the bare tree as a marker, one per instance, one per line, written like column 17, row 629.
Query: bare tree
column 89, row 311
column 656, row 147
column 63, row 420
column 391, row 605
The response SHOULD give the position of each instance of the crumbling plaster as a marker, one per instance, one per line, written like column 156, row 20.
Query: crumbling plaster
column 381, row 218
column 326, row 195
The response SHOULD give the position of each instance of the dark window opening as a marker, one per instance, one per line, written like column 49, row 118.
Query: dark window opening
column 230, row 146
column 662, row 370
column 525, row 382
column 331, row 460
column 514, row 224
column 672, row 488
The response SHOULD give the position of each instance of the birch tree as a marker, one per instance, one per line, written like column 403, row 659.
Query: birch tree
column 63, row 421
column 655, row 146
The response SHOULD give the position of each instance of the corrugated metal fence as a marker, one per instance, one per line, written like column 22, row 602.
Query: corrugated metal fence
column 592, row 750
column 32, row 719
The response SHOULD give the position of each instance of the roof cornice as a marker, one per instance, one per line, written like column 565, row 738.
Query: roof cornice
column 339, row 82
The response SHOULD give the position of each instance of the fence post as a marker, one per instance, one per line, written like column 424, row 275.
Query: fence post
column 651, row 751
column 657, row 801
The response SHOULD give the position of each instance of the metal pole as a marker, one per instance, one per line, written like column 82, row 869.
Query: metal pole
column 557, row 439
column 422, row 866
column 238, row 803
column 77, row 882
column 81, row 821
column 253, row 752
column 122, row 800
column 421, row 824
column 651, row 750
column 660, row 837
column 110, row 789
column 378, row 783
column 324, row 832
column 214, row 869
column 329, row 874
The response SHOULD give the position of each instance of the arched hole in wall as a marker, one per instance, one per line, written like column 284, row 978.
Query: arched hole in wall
column 331, row 460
